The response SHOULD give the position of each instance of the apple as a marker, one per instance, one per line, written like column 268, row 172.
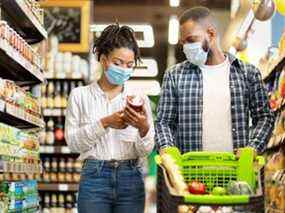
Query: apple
column 136, row 102
column 196, row 187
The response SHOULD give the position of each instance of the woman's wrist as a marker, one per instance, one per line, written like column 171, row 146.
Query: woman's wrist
column 105, row 122
column 143, row 130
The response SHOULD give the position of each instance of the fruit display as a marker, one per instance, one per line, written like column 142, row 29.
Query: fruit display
column 18, row 146
column 18, row 196
column 18, row 48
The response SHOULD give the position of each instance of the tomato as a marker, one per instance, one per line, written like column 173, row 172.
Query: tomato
column 196, row 187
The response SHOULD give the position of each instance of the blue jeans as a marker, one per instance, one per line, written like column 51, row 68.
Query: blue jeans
column 107, row 189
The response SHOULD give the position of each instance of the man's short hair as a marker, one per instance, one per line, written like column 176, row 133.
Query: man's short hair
column 196, row 14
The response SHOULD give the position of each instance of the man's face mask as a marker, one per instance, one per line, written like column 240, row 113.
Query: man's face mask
column 195, row 53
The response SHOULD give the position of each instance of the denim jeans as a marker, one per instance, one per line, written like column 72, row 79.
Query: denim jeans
column 107, row 189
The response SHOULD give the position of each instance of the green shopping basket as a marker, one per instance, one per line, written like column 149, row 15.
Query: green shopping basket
column 214, row 169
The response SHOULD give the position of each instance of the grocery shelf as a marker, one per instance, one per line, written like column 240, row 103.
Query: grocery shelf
column 24, row 19
column 15, row 167
column 58, row 187
column 19, row 118
column 55, row 150
column 15, row 67
column 278, row 65
column 55, row 112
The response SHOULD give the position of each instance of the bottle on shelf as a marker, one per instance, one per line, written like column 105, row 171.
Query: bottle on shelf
column 47, row 170
column 57, row 97
column 64, row 95
column 62, row 170
column 43, row 96
column 47, row 201
column 54, row 170
column 69, row 170
column 69, row 203
column 54, row 203
column 50, row 95
column 61, row 205
column 50, row 132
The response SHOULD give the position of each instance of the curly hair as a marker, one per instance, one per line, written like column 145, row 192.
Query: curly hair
column 113, row 37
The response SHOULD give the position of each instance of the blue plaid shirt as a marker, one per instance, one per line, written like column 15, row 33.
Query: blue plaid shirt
column 179, row 121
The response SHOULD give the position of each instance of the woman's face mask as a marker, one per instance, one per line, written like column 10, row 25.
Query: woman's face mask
column 119, row 66
column 117, row 75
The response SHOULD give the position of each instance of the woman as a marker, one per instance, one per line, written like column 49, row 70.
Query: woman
column 109, row 134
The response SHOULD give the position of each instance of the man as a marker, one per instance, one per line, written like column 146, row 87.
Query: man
column 207, row 100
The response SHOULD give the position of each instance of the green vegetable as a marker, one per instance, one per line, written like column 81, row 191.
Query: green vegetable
column 219, row 191
column 239, row 188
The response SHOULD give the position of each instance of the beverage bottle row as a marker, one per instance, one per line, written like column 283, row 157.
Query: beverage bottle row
column 58, row 203
column 55, row 93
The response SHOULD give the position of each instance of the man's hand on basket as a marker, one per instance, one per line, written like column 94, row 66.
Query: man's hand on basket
column 237, row 152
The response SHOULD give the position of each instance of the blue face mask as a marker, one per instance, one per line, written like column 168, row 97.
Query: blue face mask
column 117, row 75
column 195, row 53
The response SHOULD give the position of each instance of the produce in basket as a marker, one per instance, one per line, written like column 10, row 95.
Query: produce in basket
column 186, row 209
column 175, row 175
column 219, row 191
column 209, row 209
column 239, row 188
column 205, row 209
column 196, row 187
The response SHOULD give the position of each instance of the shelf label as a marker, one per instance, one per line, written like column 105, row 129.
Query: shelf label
column 56, row 112
column 49, row 149
column 65, row 150
column 63, row 187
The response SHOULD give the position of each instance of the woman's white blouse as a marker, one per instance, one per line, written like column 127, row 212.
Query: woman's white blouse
column 85, row 134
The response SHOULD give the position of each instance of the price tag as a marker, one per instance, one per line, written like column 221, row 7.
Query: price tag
column 56, row 112
column 47, row 112
column 63, row 187
column 42, row 149
column 49, row 149
column 65, row 150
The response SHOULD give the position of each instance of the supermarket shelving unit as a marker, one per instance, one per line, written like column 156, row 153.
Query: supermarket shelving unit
column 58, row 150
column 16, row 68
